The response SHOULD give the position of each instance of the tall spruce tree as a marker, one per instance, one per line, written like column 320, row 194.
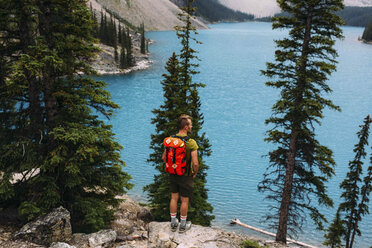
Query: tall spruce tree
column 119, row 34
column 300, row 166
column 143, row 39
column 363, row 208
column 181, row 97
column 66, row 154
column 352, row 208
column 129, row 49
column 123, row 59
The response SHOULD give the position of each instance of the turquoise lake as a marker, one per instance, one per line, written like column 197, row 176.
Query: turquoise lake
column 235, row 104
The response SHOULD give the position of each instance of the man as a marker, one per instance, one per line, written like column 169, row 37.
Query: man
column 183, row 185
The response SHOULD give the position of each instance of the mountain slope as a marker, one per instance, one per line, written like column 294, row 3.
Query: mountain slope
column 155, row 14
column 352, row 16
column 258, row 8
column 214, row 11
column 262, row 8
column 356, row 16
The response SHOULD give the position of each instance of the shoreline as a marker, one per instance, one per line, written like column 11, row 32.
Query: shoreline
column 105, row 63
column 365, row 42
column 141, row 65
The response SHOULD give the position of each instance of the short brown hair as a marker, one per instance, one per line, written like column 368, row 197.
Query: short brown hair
column 182, row 121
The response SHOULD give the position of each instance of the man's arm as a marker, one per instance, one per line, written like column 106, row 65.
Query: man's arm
column 195, row 161
column 163, row 156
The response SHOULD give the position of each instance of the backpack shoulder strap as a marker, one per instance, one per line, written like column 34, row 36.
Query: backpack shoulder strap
column 184, row 138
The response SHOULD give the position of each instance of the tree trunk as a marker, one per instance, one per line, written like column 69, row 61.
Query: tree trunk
column 349, row 224
column 281, row 234
column 26, row 40
column 48, row 76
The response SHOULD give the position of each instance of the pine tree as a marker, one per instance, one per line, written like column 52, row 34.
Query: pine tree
column 363, row 208
column 114, row 35
column 181, row 97
column 106, row 36
column 129, row 49
column 304, row 60
column 101, row 27
column 51, row 116
column 123, row 58
column 119, row 34
column 124, row 38
column 351, row 188
column 335, row 232
column 143, row 39
column 115, row 42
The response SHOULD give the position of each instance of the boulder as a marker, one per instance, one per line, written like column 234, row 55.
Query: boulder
column 20, row 244
column 80, row 240
column 102, row 239
column 160, row 236
column 61, row 245
column 130, row 217
column 53, row 227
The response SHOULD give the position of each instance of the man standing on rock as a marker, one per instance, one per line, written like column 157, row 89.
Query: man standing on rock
column 183, row 185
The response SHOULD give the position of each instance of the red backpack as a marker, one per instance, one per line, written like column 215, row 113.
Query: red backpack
column 175, row 155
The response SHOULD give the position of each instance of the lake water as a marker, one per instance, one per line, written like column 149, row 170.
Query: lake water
column 235, row 103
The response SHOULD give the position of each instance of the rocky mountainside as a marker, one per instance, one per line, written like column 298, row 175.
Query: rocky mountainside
column 155, row 14
column 262, row 8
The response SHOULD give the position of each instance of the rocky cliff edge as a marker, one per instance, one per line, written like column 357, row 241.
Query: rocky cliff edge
column 132, row 228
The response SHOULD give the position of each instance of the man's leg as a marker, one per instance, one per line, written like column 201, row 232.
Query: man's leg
column 173, row 211
column 173, row 203
column 186, row 190
column 184, row 205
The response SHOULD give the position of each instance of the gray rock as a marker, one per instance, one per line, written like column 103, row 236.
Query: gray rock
column 102, row 239
column 127, row 246
column 160, row 236
column 130, row 217
column 53, row 227
column 61, row 245
column 80, row 240
column 19, row 244
column 144, row 214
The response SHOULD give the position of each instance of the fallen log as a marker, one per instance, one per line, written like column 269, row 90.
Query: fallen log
column 238, row 222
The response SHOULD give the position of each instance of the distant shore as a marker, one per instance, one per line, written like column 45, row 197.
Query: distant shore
column 140, row 65
column 105, row 63
column 364, row 41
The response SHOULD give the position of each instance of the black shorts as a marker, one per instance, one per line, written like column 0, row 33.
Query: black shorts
column 182, row 184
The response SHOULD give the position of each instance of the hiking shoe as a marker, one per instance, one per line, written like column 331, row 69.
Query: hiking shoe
column 174, row 226
column 184, row 228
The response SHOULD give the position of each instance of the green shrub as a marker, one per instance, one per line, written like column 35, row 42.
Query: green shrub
column 250, row 244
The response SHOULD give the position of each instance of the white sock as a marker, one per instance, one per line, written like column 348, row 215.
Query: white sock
column 173, row 217
column 183, row 220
